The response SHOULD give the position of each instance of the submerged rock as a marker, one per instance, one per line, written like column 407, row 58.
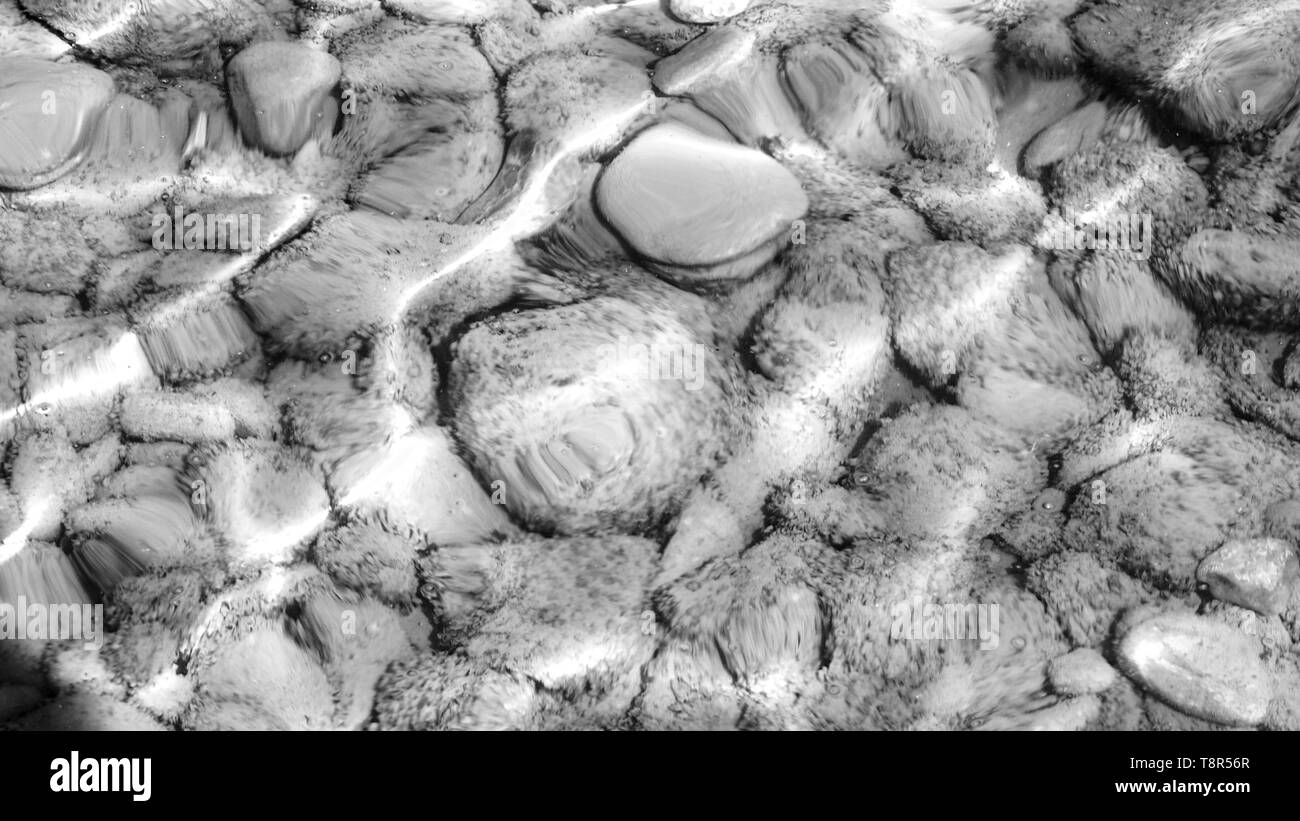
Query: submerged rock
column 1202, row 667
column 454, row 12
column 672, row 195
column 173, row 35
column 1069, row 135
column 1081, row 672
column 846, row 105
column 946, row 298
column 282, row 94
column 611, row 434
column 727, row 74
column 568, row 97
column 436, row 178
column 1225, row 70
column 1259, row 574
column 1196, row 483
column 417, row 62
column 706, row 11
column 1247, row 277
column 1253, row 369
column 48, row 113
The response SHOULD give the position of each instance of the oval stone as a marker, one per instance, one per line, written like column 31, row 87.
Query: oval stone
column 48, row 112
column 706, row 11
column 1202, row 667
column 681, row 198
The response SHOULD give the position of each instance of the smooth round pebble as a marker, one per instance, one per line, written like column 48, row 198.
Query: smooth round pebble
column 673, row 195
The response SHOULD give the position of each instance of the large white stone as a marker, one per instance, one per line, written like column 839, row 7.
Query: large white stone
column 1204, row 668
column 681, row 198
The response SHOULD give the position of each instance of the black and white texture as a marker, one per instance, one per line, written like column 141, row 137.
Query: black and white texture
column 658, row 364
